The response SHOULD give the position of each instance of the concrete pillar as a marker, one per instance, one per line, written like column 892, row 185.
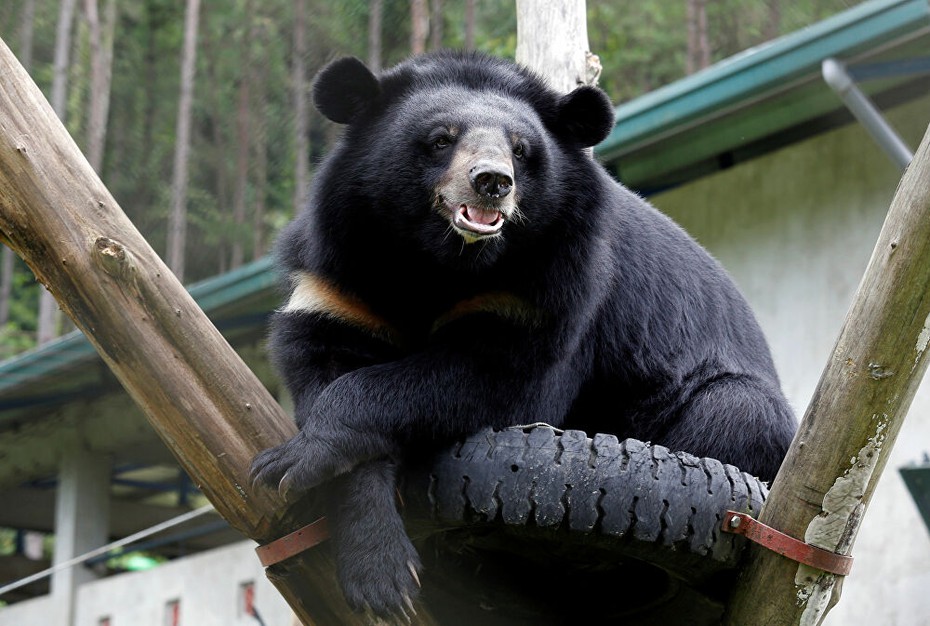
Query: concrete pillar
column 82, row 516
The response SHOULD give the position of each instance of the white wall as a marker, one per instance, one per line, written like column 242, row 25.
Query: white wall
column 206, row 585
column 796, row 229
column 40, row 610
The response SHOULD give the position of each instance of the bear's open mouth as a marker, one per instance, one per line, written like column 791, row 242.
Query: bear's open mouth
column 476, row 220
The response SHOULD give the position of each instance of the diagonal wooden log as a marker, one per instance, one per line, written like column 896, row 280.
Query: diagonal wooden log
column 200, row 397
column 823, row 488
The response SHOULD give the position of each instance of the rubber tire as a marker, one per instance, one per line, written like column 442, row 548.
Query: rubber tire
column 597, row 499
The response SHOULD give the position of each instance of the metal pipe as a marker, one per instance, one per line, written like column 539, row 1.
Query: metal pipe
column 835, row 75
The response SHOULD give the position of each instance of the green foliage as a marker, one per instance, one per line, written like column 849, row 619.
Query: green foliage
column 18, row 333
column 7, row 541
column 134, row 561
column 642, row 45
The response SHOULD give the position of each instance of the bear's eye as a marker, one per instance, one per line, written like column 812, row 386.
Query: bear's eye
column 441, row 142
column 519, row 150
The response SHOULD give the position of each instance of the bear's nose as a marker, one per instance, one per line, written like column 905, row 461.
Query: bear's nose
column 490, row 181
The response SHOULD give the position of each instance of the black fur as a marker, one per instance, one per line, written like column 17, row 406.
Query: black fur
column 588, row 309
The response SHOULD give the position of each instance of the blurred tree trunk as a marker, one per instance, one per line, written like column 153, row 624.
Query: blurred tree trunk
column 6, row 10
column 773, row 23
column 6, row 285
column 177, row 221
column 243, row 132
column 375, row 19
column 419, row 26
column 151, row 70
column 299, row 80
column 211, row 51
column 698, row 56
column 469, row 24
column 435, row 25
column 7, row 258
column 260, row 138
column 62, row 57
column 26, row 30
column 101, row 64
column 49, row 318
column 259, row 234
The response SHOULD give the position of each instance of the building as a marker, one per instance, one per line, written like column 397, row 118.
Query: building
column 760, row 161
column 756, row 156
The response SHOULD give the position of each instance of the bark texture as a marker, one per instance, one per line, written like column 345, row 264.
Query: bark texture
column 552, row 39
column 177, row 221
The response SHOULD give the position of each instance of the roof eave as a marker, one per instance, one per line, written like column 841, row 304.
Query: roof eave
column 767, row 68
column 74, row 349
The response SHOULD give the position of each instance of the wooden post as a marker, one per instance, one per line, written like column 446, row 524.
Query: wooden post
column 200, row 397
column 823, row 488
column 552, row 40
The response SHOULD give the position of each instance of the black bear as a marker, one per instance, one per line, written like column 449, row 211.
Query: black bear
column 465, row 263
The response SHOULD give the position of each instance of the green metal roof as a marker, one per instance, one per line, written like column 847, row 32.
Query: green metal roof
column 237, row 301
column 677, row 132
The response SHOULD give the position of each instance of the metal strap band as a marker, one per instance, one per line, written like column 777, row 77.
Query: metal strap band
column 287, row 546
column 776, row 541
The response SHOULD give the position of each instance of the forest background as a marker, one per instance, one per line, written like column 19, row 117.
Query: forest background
column 196, row 114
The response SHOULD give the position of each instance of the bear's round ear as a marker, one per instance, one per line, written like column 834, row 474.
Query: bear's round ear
column 585, row 116
column 343, row 89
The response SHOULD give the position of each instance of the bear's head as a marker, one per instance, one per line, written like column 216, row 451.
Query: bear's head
column 462, row 155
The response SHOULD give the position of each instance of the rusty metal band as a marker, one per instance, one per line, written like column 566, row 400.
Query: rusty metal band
column 287, row 546
column 779, row 542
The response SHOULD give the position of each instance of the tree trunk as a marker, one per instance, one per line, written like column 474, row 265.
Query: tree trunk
column 101, row 51
column 152, row 68
column 49, row 319
column 177, row 222
column 824, row 486
column 260, row 144
column 773, row 23
column 243, row 121
column 62, row 57
column 219, row 143
column 552, row 39
column 6, row 285
column 469, row 24
column 26, row 31
column 419, row 26
column 375, row 19
column 698, row 56
column 259, row 234
column 301, row 130
column 435, row 25
column 197, row 393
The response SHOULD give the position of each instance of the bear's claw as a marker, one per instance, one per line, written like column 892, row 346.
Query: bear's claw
column 378, row 566
column 296, row 466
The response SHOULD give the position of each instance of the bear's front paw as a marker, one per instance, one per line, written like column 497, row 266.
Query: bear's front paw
column 379, row 569
column 298, row 465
